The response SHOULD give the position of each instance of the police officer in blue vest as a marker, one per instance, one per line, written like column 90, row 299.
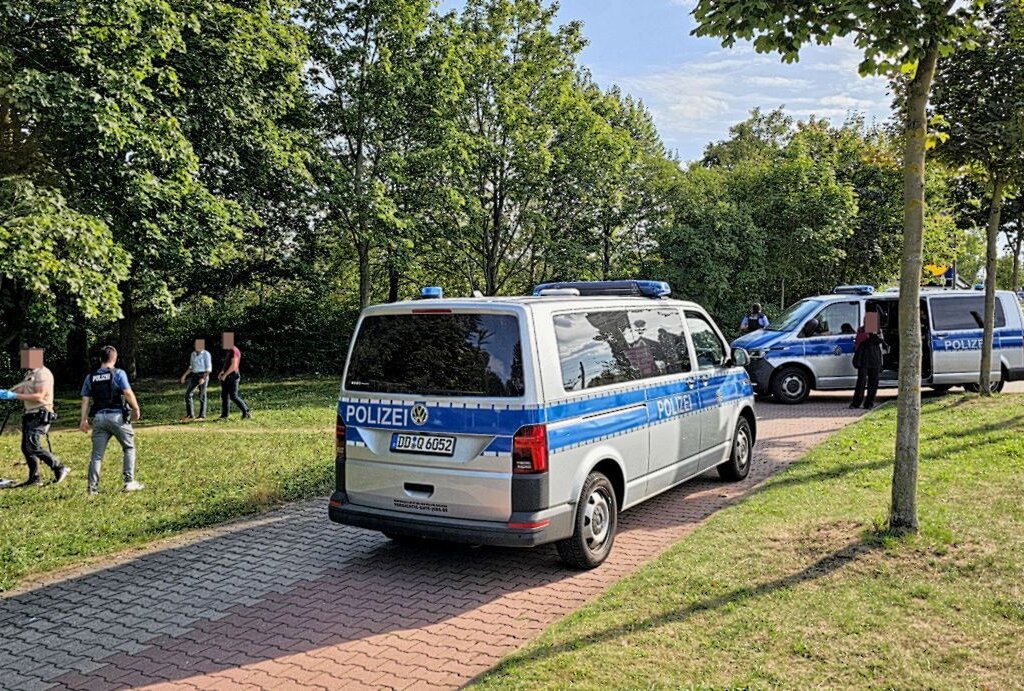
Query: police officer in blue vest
column 754, row 321
column 108, row 398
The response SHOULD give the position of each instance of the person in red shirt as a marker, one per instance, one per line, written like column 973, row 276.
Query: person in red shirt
column 230, row 377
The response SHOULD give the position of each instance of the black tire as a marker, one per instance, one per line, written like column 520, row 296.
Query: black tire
column 597, row 517
column 942, row 389
column 738, row 466
column 791, row 385
column 975, row 387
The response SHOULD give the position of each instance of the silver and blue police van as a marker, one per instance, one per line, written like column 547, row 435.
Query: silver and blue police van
column 811, row 345
column 521, row 421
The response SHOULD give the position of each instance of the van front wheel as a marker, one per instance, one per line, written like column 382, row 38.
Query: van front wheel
column 597, row 515
column 791, row 385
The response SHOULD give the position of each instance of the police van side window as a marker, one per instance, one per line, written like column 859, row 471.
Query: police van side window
column 610, row 347
column 963, row 313
column 710, row 350
column 838, row 319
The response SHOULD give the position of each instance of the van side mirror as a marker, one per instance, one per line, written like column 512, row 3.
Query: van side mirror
column 740, row 357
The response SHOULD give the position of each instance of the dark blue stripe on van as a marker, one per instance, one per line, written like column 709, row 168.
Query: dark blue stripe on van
column 640, row 408
column 597, row 427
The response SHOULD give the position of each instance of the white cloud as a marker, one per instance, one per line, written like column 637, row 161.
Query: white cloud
column 699, row 100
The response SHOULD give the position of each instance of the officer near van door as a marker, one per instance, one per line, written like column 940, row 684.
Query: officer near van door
column 867, row 358
column 36, row 392
column 754, row 321
column 108, row 398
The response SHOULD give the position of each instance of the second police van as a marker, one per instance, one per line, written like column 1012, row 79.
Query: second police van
column 521, row 421
column 811, row 345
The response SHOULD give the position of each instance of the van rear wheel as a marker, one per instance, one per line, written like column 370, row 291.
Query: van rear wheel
column 791, row 385
column 597, row 515
column 738, row 466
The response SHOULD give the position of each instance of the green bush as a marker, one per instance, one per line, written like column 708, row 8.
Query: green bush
column 290, row 332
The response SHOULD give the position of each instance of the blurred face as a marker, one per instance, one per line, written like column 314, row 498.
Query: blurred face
column 200, row 345
column 227, row 340
column 31, row 358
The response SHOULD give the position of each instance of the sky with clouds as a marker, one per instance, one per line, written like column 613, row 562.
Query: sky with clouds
column 696, row 89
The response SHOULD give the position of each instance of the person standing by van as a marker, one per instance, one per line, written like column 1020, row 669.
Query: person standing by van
column 36, row 392
column 754, row 321
column 104, row 396
column 198, row 376
column 230, row 377
column 867, row 358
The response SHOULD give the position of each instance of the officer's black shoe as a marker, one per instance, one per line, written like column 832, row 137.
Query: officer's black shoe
column 855, row 405
column 869, row 406
column 32, row 482
column 247, row 415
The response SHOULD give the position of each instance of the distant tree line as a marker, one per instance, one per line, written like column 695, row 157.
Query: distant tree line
column 170, row 170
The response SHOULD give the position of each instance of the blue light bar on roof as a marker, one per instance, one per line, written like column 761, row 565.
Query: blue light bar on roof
column 854, row 290
column 649, row 289
column 432, row 292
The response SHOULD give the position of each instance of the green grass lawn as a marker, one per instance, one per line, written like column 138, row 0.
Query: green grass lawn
column 196, row 474
column 795, row 587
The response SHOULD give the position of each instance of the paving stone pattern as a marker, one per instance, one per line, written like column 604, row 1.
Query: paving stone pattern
column 289, row 599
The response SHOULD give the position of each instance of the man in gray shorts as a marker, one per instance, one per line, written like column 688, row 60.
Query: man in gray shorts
column 104, row 396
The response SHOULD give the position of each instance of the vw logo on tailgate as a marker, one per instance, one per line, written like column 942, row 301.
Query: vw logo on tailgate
column 419, row 414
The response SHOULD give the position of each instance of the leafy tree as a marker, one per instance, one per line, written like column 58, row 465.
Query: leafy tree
column 364, row 70
column 47, row 248
column 980, row 96
column 907, row 35
column 518, row 73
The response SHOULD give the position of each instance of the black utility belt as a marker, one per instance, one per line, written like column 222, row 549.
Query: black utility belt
column 43, row 416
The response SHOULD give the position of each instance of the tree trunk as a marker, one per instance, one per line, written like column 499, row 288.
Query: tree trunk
column 606, row 258
column 991, row 268
column 1015, row 276
column 363, row 250
column 127, row 335
column 78, row 348
column 903, row 512
column 394, row 282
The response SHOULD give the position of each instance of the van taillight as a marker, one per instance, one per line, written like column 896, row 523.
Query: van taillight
column 530, row 450
column 339, row 440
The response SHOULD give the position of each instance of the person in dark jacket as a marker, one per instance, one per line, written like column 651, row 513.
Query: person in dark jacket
column 867, row 358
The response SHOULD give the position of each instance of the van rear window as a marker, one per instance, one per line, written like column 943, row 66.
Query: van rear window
column 439, row 354
column 963, row 312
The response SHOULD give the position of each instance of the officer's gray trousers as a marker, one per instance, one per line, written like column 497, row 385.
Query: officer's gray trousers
column 107, row 424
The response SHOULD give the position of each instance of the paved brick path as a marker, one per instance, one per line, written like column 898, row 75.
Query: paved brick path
column 290, row 599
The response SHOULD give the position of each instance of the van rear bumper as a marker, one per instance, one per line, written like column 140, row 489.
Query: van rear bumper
column 524, row 529
column 1015, row 374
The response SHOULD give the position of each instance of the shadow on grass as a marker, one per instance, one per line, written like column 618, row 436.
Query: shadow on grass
column 822, row 568
column 791, row 479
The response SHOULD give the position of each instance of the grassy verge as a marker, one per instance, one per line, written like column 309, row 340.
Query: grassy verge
column 196, row 474
column 795, row 587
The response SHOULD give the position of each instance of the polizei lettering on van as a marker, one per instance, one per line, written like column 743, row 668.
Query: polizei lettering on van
column 373, row 415
column 963, row 344
column 674, row 405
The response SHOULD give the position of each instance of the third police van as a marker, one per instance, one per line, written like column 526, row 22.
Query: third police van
column 522, row 421
column 811, row 345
